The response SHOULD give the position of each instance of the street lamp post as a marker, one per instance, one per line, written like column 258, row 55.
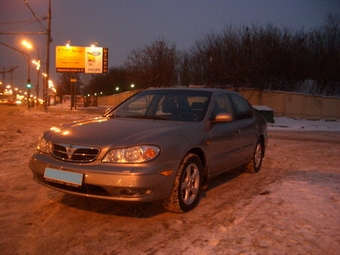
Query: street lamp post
column 28, row 71
column 29, row 46
column 37, row 63
column 48, row 44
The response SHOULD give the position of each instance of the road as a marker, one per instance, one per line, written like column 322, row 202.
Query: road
column 292, row 206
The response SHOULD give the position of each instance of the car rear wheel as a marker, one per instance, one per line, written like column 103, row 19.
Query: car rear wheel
column 255, row 163
column 187, row 187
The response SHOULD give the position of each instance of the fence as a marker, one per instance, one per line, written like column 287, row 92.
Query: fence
column 292, row 105
column 114, row 100
column 296, row 105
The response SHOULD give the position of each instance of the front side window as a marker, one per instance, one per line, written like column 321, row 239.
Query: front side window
column 242, row 109
column 178, row 105
column 222, row 104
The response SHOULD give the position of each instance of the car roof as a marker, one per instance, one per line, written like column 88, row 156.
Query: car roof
column 192, row 89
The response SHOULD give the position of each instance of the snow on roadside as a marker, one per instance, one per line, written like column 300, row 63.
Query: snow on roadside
column 63, row 112
column 284, row 123
column 296, row 213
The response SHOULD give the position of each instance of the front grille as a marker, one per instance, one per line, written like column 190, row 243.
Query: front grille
column 72, row 153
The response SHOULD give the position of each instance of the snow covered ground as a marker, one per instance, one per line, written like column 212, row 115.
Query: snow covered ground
column 292, row 206
column 284, row 123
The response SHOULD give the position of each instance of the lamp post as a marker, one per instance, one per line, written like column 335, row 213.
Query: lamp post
column 28, row 71
column 37, row 63
column 48, row 44
column 29, row 46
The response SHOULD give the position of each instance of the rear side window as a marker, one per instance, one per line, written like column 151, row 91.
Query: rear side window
column 242, row 109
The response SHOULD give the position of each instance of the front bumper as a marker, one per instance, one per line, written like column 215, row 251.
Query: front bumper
column 121, row 182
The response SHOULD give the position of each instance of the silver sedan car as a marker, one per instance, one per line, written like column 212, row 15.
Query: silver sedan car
column 160, row 144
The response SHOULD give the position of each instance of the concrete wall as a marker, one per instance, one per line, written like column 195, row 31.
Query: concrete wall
column 292, row 105
column 296, row 105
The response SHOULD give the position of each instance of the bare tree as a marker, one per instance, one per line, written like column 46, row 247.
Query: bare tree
column 153, row 66
column 259, row 57
column 113, row 82
column 324, row 46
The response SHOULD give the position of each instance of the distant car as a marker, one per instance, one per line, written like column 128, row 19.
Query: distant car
column 3, row 99
column 11, row 102
column 160, row 144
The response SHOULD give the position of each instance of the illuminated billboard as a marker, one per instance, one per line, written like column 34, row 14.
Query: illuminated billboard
column 76, row 59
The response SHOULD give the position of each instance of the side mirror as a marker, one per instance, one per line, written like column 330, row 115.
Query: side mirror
column 222, row 117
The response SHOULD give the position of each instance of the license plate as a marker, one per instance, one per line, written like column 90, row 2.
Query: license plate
column 63, row 177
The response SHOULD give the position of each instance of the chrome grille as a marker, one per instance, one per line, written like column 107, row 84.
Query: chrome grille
column 74, row 153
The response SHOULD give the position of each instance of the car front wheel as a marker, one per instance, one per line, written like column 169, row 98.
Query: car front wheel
column 187, row 187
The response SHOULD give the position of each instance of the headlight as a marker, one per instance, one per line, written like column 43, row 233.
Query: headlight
column 136, row 154
column 43, row 145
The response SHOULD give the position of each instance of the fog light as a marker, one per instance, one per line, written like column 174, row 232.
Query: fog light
column 129, row 192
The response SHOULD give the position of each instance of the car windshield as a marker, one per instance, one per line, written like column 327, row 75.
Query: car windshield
column 177, row 105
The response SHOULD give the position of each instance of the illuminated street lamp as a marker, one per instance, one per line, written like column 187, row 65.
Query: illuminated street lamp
column 51, row 87
column 27, row 44
column 8, row 90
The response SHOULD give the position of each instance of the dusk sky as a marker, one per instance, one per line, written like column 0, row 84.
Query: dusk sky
column 124, row 25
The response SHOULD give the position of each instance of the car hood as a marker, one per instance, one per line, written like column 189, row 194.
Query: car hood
column 117, row 132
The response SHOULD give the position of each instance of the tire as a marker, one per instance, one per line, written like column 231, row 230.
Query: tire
column 255, row 163
column 187, row 188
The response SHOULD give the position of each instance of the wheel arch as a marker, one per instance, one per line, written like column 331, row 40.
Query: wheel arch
column 201, row 155
column 262, row 138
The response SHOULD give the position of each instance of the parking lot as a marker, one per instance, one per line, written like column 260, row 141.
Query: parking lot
column 292, row 206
